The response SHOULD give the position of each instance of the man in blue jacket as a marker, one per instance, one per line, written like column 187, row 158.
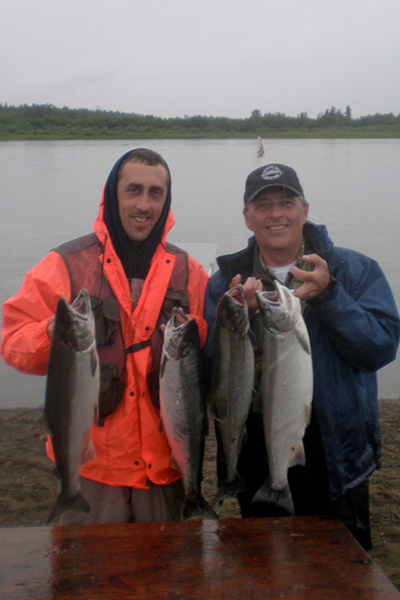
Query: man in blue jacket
column 354, row 329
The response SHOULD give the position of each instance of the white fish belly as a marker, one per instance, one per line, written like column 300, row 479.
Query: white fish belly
column 183, row 414
column 287, row 386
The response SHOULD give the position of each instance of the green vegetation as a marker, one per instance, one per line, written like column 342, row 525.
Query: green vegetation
column 49, row 122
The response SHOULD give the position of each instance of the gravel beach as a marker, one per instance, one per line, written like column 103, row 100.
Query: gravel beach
column 28, row 486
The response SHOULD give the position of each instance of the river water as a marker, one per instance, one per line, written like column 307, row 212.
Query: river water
column 50, row 193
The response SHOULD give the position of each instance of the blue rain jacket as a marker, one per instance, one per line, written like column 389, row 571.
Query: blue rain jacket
column 354, row 330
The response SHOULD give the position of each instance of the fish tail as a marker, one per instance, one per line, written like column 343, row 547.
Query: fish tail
column 281, row 498
column 77, row 503
column 227, row 489
column 197, row 508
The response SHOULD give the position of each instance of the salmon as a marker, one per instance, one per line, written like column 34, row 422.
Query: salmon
column 286, row 391
column 71, row 401
column 183, row 411
column 232, row 387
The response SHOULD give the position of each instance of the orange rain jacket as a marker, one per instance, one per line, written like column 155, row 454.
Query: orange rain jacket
column 129, row 447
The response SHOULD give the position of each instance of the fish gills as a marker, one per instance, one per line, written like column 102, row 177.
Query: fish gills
column 72, row 391
column 232, row 387
column 286, row 390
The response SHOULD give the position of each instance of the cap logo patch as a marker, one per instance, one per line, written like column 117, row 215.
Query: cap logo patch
column 271, row 172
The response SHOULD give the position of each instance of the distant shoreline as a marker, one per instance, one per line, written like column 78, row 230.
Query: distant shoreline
column 48, row 122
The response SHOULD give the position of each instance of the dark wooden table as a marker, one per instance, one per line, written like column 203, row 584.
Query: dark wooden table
column 304, row 558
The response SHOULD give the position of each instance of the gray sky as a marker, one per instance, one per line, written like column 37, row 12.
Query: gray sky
column 208, row 57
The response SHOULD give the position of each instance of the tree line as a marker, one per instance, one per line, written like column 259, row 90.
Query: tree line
column 46, row 121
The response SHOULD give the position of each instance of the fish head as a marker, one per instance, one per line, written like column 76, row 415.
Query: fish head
column 233, row 311
column 74, row 323
column 279, row 308
column 180, row 334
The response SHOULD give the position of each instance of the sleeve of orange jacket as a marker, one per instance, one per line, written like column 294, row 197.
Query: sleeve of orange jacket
column 197, row 284
column 25, row 344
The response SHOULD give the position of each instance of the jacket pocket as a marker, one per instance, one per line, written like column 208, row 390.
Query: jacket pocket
column 106, row 315
column 111, row 390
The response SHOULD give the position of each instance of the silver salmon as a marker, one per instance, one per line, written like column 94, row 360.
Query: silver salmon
column 71, row 401
column 183, row 410
column 286, row 391
column 232, row 387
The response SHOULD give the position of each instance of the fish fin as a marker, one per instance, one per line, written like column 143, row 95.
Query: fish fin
column 244, row 439
column 162, row 365
column 197, row 508
column 308, row 410
column 304, row 340
column 174, row 464
column 281, row 498
column 252, row 338
column 88, row 453
column 298, row 456
column 77, row 503
column 96, row 413
column 225, row 490
column 94, row 361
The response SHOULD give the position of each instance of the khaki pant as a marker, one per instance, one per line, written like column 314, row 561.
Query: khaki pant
column 110, row 504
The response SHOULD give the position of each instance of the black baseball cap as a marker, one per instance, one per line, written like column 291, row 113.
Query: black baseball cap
column 270, row 176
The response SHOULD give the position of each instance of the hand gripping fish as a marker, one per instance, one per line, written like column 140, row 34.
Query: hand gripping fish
column 232, row 387
column 286, row 391
column 183, row 410
column 71, row 400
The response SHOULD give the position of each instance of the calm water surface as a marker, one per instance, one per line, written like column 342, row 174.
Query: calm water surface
column 50, row 193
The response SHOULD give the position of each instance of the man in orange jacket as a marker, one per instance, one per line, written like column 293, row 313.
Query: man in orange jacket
column 134, row 278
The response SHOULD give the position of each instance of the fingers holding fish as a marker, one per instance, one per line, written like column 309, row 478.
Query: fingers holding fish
column 249, row 287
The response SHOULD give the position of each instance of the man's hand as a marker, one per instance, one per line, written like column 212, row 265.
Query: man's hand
column 249, row 288
column 314, row 281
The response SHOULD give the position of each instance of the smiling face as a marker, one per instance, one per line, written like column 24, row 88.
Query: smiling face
column 276, row 216
column 141, row 191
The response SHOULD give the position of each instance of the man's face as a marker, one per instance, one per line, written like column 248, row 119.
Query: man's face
column 276, row 217
column 141, row 191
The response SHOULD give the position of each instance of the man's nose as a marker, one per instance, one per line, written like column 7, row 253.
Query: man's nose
column 143, row 202
column 276, row 209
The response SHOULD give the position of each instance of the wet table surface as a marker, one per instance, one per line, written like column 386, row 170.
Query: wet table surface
column 295, row 557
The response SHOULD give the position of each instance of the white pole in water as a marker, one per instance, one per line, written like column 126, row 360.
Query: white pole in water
column 260, row 151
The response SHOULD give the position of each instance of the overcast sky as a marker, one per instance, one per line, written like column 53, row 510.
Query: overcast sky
column 207, row 57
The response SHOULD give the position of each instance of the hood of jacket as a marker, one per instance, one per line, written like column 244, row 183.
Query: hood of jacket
column 135, row 258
